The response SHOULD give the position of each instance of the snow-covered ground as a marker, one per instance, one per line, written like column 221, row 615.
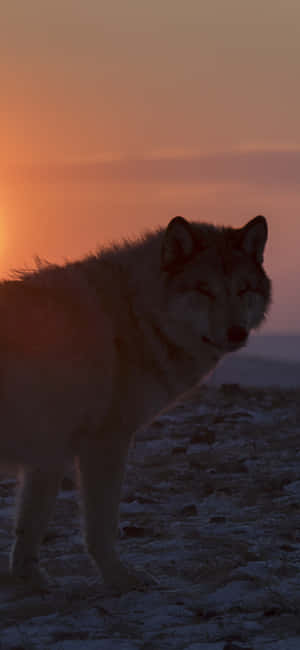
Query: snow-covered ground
column 211, row 506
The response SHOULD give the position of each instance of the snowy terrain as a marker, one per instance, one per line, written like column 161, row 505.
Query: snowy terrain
column 211, row 506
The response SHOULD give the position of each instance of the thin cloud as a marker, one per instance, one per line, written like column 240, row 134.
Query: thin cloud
column 275, row 168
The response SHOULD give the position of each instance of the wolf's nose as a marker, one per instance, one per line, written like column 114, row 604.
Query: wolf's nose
column 237, row 334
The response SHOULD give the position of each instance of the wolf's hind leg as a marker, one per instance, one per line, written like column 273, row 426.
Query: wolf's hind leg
column 36, row 501
column 102, row 466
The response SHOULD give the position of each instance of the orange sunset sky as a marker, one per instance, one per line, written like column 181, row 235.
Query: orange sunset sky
column 117, row 115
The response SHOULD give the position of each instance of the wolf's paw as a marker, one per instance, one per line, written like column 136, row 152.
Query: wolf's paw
column 121, row 579
column 30, row 575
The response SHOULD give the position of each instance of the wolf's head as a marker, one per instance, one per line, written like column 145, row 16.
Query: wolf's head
column 215, row 284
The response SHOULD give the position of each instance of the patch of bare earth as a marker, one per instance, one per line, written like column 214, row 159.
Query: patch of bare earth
column 211, row 507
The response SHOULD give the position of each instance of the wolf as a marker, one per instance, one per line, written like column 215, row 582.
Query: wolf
column 93, row 349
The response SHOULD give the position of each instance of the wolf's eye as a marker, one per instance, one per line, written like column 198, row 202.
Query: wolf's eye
column 205, row 292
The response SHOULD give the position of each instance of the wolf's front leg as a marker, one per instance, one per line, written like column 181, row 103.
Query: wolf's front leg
column 38, row 490
column 102, row 467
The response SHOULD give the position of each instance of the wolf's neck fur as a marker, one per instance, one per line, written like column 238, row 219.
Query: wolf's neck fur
column 127, row 279
column 161, row 350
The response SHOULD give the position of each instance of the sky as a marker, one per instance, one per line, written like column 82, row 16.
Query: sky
column 117, row 115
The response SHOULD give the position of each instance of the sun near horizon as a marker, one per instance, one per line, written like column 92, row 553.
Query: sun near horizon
column 116, row 118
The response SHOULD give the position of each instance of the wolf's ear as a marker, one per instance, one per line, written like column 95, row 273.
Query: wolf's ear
column 253, row 238
column 178, row 244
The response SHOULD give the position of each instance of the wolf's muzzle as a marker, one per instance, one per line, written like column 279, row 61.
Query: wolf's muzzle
column 237, row 335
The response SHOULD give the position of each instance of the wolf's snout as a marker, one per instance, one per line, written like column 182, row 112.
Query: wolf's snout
column 237, row 335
